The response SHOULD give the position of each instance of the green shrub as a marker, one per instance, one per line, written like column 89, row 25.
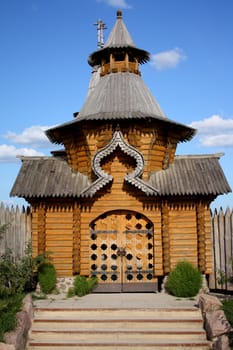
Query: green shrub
column 47, row 277
column 70, row 293
column 184, row 280
column 9, row 279
column 16, row 276
column 26, row 268
column 92, row 283
column 43, row 258
column 8, row 309
column 83, row 285
column 227, row 306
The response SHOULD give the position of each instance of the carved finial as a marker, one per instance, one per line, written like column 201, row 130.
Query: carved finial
column 119, row 14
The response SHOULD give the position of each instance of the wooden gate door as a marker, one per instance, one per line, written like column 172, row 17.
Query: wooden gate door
column 121, row 252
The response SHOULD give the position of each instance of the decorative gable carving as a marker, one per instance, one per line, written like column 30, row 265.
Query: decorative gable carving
column 103, row 178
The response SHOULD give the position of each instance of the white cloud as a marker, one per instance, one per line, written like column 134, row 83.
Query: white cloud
column 122, row 4
column 215, row 123
column 9, row 153
column 223, row 140
column 33, row 136
column 214, row 131
column 167, row 59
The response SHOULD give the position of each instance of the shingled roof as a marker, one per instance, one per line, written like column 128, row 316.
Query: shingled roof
column 48, row 177
column 192, row 175
column 188, row 175
column 120, row 95
column 119, row 38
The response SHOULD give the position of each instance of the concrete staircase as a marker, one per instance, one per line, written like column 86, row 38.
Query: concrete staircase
column 123, row 329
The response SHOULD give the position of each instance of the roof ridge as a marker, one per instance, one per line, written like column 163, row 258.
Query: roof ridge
column 214, row 155
column 38, row 157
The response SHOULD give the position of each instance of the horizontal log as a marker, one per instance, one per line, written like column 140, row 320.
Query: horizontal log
column 62, row 256
column 187, row 219
column 59, row 243
column 182, row 232
column 65, row 233
column 58, row 249
column 59, row 216
column 186, row 228
column 64, row 273
column 189, row 244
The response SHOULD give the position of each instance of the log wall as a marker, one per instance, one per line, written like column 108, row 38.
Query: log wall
column 23, row 224
column 183, row 234
column 158, row 150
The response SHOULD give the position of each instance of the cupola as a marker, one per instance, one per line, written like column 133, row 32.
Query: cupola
column 119, row 53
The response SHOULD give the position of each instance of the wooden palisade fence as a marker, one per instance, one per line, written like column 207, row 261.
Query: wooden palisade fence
column 222, row 238
column 18, row 233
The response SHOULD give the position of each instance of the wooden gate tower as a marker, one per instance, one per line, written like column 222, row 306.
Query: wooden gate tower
column 117, row 202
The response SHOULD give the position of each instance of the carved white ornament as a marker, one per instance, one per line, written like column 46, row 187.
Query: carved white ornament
column 103, row 178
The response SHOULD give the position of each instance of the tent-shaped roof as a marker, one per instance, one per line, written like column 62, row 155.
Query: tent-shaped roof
column 119, row 38
column 122, row 95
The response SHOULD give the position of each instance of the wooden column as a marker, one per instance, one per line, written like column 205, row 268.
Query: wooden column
column 165, row 237
column 136, row 65
column 208, row 240
column 41, row 229
column 200, row 210
column 167, row 155
column 127, row 62
column 111, row 62
column 76, row 238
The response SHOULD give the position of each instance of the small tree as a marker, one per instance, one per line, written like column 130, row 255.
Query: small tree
column 185, row 280
column 47, row 275
column 16, row 276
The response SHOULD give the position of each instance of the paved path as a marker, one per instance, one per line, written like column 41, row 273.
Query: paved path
column 121, row 300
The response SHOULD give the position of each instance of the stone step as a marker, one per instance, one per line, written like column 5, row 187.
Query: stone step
column 119, row 345
column 118, row 334
column 160, row 313
column 155, row 323
column 117, row 329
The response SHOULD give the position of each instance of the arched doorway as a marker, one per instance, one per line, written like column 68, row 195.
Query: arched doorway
column 122, row 252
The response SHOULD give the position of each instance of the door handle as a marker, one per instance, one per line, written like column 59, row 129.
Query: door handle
column 121, row 251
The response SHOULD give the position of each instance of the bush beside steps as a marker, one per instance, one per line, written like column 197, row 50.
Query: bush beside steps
column 184, row 281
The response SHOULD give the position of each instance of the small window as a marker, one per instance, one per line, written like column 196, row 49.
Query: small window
column 119, row 56
column 131, row 58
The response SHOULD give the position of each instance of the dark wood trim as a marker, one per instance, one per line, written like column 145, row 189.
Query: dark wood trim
column 165, row 236
column 41, row 229
column 76, row 238
column 201, row 248
column 126, row 287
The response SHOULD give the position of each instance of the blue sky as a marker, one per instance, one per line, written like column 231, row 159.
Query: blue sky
column 44, row 74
